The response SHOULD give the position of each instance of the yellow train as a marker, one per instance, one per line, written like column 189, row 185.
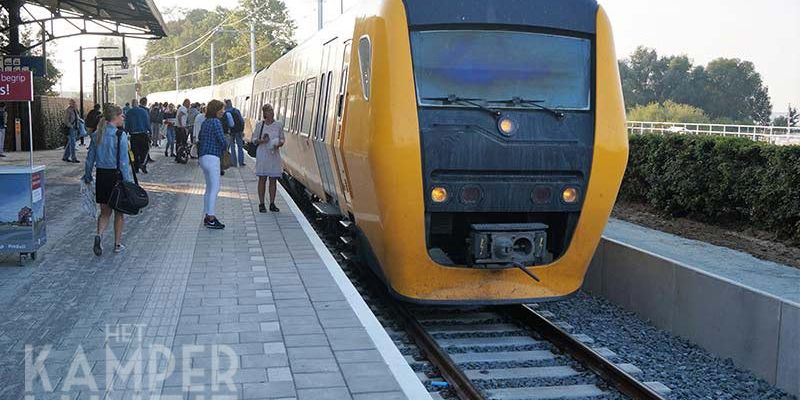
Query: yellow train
column 477, row 146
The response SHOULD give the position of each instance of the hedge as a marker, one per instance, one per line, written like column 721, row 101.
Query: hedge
column 720, row 180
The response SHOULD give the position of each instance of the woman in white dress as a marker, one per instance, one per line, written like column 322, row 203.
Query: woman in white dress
column 268, row 136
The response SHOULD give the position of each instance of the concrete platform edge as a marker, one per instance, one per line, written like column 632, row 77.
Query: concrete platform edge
column 406, row 378
column 758, row 331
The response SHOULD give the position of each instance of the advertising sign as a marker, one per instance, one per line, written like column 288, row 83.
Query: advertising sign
column 16, row 86
column 24, row 63
column 22, row 219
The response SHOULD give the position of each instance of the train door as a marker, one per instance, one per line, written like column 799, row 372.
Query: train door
column 318, row 137
column 341, row 114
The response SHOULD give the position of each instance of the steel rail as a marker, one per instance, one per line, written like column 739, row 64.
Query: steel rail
column 610, row 372
column 459, row 383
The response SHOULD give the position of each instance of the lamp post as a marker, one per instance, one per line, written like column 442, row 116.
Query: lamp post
column 104, row 79
column 80, row 68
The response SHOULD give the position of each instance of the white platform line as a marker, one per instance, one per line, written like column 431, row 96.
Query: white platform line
column 406, row 378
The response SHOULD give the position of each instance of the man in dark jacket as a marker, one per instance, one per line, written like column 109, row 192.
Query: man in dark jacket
column 137, row 124
column 93, row 118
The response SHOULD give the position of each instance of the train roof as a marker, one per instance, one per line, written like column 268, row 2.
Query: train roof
column 569, row 15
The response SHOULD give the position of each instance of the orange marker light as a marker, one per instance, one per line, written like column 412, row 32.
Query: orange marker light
column 569, row 195
column 439, row 194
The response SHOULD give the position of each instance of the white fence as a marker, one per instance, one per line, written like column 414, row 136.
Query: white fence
column 780, row 135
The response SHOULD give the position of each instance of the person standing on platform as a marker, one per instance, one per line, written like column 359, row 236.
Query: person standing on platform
column 3, row 122
column 71, row 121
column 194, row 111
column 269, row 138
column 236, row 125
column 126, row 108
column 103, row 154
column 211, row 144
column 182, row 121
column 137, row 124
column 169, row 122
column 156, row 118
column 93, row 118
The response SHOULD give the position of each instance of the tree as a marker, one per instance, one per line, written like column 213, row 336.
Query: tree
column 273, row 30
column 669, row 111
column 727, row 90
column 780, row 121
column 736, row 91
column 794, row 117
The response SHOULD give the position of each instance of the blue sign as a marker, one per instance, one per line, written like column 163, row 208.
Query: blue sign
column 24, row 63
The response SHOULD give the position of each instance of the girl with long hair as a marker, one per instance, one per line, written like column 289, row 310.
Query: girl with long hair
column 103, row 154
column 211, row 144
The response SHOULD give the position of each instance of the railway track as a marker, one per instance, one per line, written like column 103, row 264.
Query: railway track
column 502, row 352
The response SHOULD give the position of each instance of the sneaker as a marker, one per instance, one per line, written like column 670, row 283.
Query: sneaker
column 273, row 208
column 262, row 208
column 166, row 154
column 2, row 155
column 75, row 161
column 119, row 248
column 213, row 224
column 98, row 246
column 144, row 169
column 242, row 164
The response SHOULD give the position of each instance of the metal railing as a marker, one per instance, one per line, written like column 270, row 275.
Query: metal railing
column 780, row 135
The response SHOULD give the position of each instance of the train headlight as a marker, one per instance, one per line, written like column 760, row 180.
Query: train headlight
column 541, row 194
column 506, row 125
column 471, row 194
column 569, row 195
column 439, row 194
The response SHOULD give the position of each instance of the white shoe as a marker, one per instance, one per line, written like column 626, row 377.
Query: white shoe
column 119, row 248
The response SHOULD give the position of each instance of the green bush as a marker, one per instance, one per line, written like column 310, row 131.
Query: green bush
column 718, row 180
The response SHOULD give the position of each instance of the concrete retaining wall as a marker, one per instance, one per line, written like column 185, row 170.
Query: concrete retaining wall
column 760, row 332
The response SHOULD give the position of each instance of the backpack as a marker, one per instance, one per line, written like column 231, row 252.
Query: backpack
column 238, row 121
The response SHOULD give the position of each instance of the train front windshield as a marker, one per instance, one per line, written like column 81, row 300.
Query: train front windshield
column 500, row 65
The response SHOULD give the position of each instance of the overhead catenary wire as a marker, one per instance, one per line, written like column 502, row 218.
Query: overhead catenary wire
column 199, row 71
column 204, row 38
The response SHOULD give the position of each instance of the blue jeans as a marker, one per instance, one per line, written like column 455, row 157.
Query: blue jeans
column 170, row 140
column 237, row 140
column 69, row 149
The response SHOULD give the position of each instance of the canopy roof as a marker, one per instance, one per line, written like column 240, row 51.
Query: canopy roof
column 133, row 18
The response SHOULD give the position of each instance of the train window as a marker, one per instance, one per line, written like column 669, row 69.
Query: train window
column 321, row 104
column 324, row 118
column 297, row 106
column 308, row 106
column 279, row 111
column 287, row 93
column 343, row 82
column 365, row 63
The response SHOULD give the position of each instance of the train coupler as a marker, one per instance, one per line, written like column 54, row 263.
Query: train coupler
column 502, row 246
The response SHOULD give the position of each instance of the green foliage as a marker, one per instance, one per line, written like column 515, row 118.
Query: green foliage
column 273, row 29
column 726, row 89
column 718, row 180
column 794, row 116
column 669, row 111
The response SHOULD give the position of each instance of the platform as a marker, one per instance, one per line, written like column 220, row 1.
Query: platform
column 256, row 311
column 728, row 302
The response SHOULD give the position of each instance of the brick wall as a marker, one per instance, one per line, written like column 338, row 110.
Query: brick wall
column 47, row 113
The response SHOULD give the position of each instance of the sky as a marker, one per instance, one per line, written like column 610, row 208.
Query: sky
column 766, row 32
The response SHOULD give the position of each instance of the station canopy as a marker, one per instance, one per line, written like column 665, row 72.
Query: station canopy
column 129, row 18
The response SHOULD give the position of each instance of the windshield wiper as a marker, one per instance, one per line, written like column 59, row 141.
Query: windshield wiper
column 519, row 101
column 463, row 100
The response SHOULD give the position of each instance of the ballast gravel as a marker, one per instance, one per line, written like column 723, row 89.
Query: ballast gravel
column 687, row 369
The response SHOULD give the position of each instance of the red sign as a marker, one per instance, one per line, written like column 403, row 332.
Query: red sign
column 16, row 86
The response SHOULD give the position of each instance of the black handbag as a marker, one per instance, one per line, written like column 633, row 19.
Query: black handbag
column 127, row 197
column 250, row 146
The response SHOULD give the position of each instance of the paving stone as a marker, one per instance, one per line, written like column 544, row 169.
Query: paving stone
column 257, row 289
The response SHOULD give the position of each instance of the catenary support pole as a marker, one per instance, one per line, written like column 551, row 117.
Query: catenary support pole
column 252, row 48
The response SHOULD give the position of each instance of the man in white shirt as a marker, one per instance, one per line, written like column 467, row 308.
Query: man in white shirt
column 181, row 135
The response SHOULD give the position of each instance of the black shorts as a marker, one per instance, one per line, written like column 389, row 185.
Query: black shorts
column 106, row 180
